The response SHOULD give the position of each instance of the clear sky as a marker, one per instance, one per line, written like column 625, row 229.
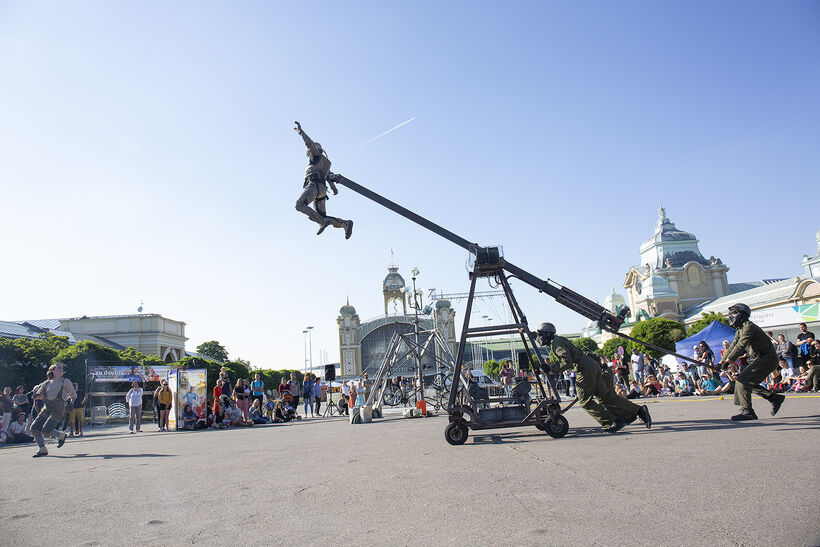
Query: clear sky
column 147, row 151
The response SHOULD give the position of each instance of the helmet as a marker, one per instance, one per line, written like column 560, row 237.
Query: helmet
column 738, row 314
column 545, row 333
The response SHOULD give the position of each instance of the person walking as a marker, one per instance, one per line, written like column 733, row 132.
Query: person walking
column 134, row 400
column 54, row 391
column 750, row 339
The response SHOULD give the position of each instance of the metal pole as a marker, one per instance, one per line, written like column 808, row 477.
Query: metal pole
column 310, row 339
column 415, row 272
column 304, row 336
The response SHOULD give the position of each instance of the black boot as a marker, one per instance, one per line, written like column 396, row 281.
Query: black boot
column 325, row 224
column 348, row 228
column 745, row 414
column 776, row 400
column 643, row 414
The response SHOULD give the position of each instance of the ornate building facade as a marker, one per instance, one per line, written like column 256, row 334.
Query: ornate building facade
column 362, row 344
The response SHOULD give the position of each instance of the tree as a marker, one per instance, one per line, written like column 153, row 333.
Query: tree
column 75, row 358
column 24, row 361
column 133, row 357
column 659, row 332
column 492, row 368
column 705, row 320
column 610, row 347
column 587, row 345
column 214, row 350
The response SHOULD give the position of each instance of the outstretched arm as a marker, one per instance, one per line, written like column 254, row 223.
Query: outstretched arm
column 308, row 142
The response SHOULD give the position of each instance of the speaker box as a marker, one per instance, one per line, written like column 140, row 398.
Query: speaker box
column 523, row 360
column 330, row 372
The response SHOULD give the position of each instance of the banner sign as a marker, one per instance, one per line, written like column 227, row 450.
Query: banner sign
column 129, row 374
column 188, row 387
column 785, row 315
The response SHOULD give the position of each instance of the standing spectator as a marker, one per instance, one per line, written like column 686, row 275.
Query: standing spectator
column 368, row 386
column 17, row 431
column 75, row 422
column 242, row 394
column 507, row 374
column 638, row 360
column 22, row 404
column 317, row 396
column 353, row 395
column 294, row 390
column 346, row 390
column 217, row 394
column 804, row 340
column 622, row 369
column 227, row 387
column 54, row 391
column 707, row 357
column 307, row 392
column 6, row 406
column 163, row 393
column 770, row 334
column 257, row 389
column 283, row 387
column 569, row 378
column 724, row 349
column 786, row 351
column 134, row 400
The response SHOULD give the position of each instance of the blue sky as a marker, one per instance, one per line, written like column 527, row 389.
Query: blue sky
column 147, row 151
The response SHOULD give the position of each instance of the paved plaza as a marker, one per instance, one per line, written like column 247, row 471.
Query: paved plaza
column 694, row 479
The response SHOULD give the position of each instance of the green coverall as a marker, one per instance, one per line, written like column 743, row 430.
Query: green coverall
column 594, row 395
column 751, row 339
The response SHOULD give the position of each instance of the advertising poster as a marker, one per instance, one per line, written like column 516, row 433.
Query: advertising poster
column 192, row 390
column 134, row 373
column 173, row 378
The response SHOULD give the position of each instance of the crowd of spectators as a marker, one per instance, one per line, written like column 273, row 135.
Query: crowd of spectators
column 650, row 378
column 19, row 408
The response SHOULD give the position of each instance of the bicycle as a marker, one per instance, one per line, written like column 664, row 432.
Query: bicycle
column 437, row 392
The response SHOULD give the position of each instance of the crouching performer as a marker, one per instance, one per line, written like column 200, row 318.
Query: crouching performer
column 315, row 189
column 54, row 391
column 749, row 338
column 594, row 395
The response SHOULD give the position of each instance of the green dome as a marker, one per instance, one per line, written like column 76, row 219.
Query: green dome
column 347, row 310
column 442, row 304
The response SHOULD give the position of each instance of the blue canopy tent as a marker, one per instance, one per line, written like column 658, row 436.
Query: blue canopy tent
column 714, row 335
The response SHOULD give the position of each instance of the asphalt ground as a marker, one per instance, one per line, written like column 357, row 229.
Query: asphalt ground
column 695, row 478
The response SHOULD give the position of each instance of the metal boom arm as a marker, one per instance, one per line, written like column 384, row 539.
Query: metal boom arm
column 562, row 295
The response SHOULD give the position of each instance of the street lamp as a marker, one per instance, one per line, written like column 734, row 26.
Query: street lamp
column 310, row 341
column 304, row 365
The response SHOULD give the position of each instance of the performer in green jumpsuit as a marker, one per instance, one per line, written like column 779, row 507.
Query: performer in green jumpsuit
column 751, row 339
column 594, row 395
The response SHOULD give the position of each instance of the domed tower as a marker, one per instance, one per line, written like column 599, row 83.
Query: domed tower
column 350, row 348
column 393, row 289
column 673, row 275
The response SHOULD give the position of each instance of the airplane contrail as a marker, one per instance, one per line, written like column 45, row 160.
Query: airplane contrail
column 377, row 137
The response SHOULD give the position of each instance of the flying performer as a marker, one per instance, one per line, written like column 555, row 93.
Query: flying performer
column 315, row 189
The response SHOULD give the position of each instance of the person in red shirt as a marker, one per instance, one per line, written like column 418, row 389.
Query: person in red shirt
column 217, row 394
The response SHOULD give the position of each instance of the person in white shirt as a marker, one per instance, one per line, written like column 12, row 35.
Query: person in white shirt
column 134, row 399
column 17, row 431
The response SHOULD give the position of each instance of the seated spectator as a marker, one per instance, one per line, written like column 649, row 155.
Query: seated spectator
column 620, row 391
column 799, row 382
column 709, row 385
column 256, row 413
column 651, row 387
column 189, row 419
column 282, row 414
column 343, row 406
column 234, row 415
column 220, row 417
column 634, row 390
column 774, row 382
column 17, row 431
column 682, row 386
column 812, row 376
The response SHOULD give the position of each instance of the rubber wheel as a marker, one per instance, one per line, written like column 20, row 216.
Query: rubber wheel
column 455, row 433
column 392, row 395
column 556, row 427
column 357, row 419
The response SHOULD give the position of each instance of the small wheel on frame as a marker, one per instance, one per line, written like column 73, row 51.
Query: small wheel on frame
column 455, row 433
column 557, row 426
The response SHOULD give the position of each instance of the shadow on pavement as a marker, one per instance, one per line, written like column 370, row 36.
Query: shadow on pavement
column 786, row 424
column 112, row 456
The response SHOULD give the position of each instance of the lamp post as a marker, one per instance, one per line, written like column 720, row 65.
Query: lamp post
column 414, row 303
column 310, row 342
column 304, row 333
